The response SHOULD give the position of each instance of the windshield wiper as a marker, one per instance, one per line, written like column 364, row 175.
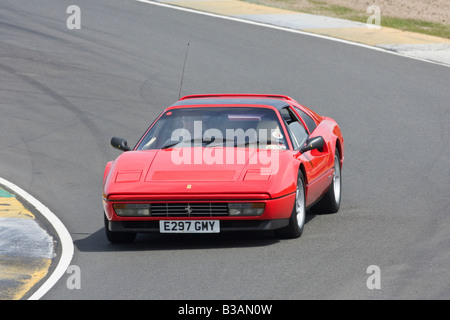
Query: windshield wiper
column 217, row 142
column 172, row 143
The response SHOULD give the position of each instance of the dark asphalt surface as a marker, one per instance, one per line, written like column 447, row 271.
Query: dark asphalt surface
column 65, row 93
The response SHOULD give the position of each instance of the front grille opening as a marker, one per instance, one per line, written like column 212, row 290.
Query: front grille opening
column 207, row 209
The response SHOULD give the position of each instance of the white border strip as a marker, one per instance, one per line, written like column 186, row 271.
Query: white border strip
column 64, row 236
column 161, row 4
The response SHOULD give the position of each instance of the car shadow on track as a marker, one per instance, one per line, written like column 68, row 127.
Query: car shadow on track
column 97, row 242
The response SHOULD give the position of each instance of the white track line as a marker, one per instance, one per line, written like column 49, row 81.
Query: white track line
column 64, row 236
column 161, row 4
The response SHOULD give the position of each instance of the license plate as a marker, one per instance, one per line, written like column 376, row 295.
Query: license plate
column 189, row 226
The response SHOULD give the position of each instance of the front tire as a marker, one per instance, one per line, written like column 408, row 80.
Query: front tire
column 118, row 237
column 298, row 215
column 331, row 201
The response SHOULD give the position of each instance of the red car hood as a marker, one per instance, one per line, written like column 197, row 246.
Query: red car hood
column 198, row 171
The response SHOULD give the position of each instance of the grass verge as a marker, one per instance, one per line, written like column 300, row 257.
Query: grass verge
column 342, row 12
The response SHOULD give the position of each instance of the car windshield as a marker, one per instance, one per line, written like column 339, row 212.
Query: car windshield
column 216, row 127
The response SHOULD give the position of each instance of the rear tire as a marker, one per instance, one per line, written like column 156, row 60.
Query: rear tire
column 298, row 215
column 331, row 201
column 118, row 237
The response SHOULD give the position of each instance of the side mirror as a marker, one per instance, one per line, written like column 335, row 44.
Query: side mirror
column 313, row 143
column 120, row 144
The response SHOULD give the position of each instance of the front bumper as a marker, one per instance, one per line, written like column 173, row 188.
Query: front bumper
column 276, row 215
column 225, row 225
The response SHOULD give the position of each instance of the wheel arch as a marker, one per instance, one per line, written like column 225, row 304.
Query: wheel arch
column 341, row 151
column 303, row 171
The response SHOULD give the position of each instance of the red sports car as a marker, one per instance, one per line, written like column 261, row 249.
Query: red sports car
column 219, row 162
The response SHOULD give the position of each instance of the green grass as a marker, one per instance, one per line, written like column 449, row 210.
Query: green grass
column 430, row 28
column 336, row 11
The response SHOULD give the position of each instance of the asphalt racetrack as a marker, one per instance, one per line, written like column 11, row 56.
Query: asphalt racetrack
column 65, row 93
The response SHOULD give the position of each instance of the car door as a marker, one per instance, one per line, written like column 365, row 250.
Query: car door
column 315, row 161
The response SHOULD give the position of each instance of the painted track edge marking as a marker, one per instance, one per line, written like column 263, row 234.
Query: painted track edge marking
column 261, row 24
column 67, row 247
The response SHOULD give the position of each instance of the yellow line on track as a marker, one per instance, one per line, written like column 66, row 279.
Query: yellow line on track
column 380, row 36
column 19, row 275
column 230, row 7
column 12, row 208
column 18, row 272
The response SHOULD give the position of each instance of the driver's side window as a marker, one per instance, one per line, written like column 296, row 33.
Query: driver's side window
column 296, row 130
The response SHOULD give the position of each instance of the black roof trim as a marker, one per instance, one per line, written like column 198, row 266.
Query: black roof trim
column 279, row 104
